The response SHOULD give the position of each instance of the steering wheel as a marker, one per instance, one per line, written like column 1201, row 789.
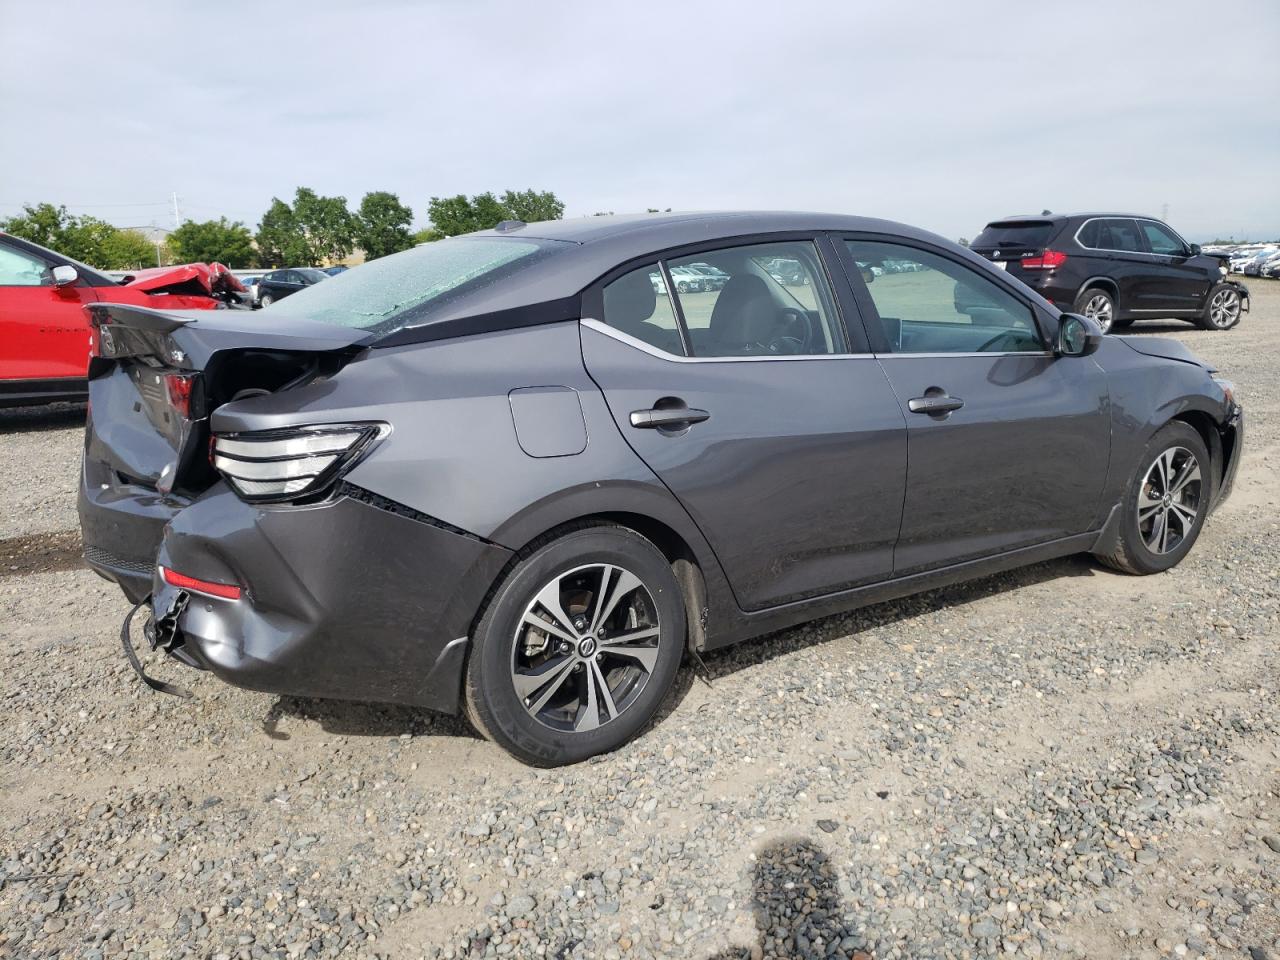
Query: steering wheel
column 788, row 342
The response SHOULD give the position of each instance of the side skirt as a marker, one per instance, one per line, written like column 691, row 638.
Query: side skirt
column 755, row 624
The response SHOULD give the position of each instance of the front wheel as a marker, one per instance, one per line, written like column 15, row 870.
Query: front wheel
column 1166, row 503
column 1222, row 312
column 1099, row 305
column 267, row 300
column 578, row 647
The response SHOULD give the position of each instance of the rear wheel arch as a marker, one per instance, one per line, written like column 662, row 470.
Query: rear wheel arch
column 685, row 561
column 1103, row 283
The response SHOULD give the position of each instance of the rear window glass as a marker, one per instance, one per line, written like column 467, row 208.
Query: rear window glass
column 389, row 293
column 1021, row 235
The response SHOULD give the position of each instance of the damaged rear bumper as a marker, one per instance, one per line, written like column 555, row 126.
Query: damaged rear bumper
column 347, row 599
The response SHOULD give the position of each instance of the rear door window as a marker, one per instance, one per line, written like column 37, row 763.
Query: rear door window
column 773, row 301
column 638, row 304
column 1115, row 233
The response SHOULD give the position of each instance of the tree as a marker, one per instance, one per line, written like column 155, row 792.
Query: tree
column 213, row 241
column 128, row 250
column 280, row 239
column 428, row 235
column 313, row 230
column 88, row 239
column 451, row 216
column 382, row 225
column 326, row 223
column 532, row 206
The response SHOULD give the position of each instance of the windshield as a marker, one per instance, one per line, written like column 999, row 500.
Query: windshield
column 393, row 292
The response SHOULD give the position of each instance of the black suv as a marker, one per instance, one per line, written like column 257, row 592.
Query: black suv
column 1115, row 268
column 278, row 284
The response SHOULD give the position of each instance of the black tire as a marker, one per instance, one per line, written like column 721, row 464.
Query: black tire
column 1122, row 324
column 267, row 300
column 499, row 647
column 1098, row 304
column 1133, row 552
column 1222, row 308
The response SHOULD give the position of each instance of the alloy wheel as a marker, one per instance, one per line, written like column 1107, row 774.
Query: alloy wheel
column 1101, row 309
column 585, row 647
column 1169, row 501
column 1224, row 308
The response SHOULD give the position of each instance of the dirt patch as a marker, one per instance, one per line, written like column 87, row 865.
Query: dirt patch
column 40, row 553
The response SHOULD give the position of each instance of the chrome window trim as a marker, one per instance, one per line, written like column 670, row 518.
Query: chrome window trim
column 601, row 327
column 1142, row 253
column 972, row 353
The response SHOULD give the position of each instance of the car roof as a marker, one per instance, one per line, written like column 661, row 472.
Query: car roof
column 1056, row 217
column 592, row 247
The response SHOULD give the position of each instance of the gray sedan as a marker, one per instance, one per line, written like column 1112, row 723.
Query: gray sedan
column 520, row 474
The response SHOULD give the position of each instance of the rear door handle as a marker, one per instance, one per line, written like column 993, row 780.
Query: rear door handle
column 934, row 405
column 667, row 417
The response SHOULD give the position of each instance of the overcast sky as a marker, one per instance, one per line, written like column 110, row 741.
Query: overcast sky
column 940, row 114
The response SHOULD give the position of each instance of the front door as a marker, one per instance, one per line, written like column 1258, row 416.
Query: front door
column 44, row 334
column 1007, row 444
column 1177, row 282
column 786, row 449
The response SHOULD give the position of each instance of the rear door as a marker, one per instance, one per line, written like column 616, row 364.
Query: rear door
column 783, row 441
column 43, row 331
column 1007, row 444
column 1120, row 253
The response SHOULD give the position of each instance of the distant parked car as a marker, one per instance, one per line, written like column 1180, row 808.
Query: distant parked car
column 1271, row 268
column 688, row 280
column 712, row 279
column 279, row 284
column 1238, row 259
column 1253, row 266
column 1115, row 268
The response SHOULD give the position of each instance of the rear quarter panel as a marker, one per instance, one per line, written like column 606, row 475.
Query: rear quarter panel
column 454, row 453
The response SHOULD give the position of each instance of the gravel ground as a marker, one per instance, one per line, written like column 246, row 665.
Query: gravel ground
column 1061, row 761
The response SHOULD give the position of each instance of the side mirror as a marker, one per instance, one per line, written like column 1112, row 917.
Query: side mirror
column 1078, row 336
column 1195, row 250
column 64, row 276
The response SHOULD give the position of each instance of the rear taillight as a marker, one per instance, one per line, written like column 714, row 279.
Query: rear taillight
column 292, row 463
column 1045, row 261
column 223, row 591
column 178, row 388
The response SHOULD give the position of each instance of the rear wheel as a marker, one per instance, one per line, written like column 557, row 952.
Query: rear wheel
column 1222, row 311
column 577, row 648
column 1099, row 305
column 1166, row 503
column 267, row 300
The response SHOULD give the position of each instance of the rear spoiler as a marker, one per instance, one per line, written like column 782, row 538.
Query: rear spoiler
column 135, row 318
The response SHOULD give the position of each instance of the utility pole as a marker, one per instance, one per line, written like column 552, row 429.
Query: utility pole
column 177, row 214
column 1164, row 212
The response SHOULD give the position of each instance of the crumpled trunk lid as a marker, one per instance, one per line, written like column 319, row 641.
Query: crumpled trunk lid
column 158, row 375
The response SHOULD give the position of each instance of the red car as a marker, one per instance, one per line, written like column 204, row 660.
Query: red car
column 44, row 334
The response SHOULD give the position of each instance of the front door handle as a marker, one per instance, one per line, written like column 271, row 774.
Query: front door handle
column 667, row 417
column 934, row 404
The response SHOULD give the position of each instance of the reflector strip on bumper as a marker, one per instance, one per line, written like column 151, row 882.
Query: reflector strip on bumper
column 219, row 591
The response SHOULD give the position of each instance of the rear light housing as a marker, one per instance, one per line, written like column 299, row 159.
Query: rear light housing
column 1044, row 261
column 294, row 463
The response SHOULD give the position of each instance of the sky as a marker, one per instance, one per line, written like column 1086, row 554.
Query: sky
column 939, row 114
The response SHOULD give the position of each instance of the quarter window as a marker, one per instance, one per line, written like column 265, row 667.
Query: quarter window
column 1161, row 239
column 758, row 300
column 19, row 269
column 929, row 304
column 638, row 304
